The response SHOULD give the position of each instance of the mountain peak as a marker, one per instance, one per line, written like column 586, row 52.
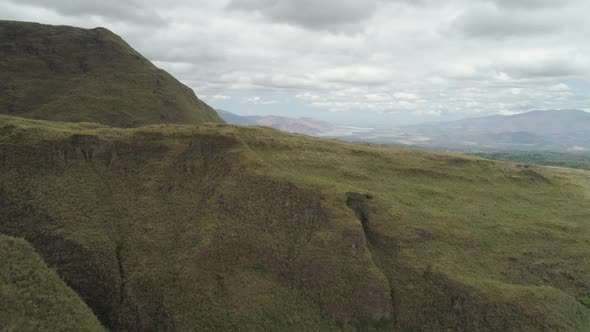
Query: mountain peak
column 64, row 73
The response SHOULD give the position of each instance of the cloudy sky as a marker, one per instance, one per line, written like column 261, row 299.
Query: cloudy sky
column 354, row 61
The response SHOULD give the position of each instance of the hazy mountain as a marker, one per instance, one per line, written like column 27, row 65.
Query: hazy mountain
column 239, row 120
column 560, row 122
column 215, row 227
column 306, row 126
column 544, row 130
column 70, row 74
column 563, row 130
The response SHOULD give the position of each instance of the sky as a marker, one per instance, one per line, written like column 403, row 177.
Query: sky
column 362, row 62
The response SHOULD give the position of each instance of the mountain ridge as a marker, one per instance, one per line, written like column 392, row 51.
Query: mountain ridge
column 543, row 122
column 304, row 125
column 71, row 74
column 554, row 131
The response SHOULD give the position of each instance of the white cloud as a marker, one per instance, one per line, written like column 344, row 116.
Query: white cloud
column 217, row 97
column 258, row 101
column 312, row 14
column 421, row 57
column 559, row 87
column 406, row 95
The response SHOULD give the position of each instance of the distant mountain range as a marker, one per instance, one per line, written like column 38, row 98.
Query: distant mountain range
column 536, row 130
column 560, row 130
column 535, row 122
column 306, row 126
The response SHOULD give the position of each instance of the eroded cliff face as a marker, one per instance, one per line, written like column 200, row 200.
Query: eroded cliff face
column 34, row 297
column 176, row 230
column 219, row 227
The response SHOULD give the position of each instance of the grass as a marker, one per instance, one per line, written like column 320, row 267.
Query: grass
column 70, row 74
column 33, row 297
column 220, row 227
column 558, row 159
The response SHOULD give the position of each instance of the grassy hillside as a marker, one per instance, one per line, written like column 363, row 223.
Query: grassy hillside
column 69, row 74
column 33, row 297
column 560, row 159
column 218, row 227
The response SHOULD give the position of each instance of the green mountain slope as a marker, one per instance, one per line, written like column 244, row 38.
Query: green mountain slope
column 69, row 74
column 33, row 297
column 579, row 160
column 218, row 227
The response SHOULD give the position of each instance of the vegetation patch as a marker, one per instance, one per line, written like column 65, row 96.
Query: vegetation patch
column 33, row 297
column 558, row 159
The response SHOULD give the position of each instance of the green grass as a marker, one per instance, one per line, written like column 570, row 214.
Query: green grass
column 70, row 74
column 558, row 159
column 220, row 227
column 33, row 297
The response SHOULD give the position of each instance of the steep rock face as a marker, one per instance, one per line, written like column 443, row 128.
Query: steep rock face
column 427, row 300
column 225, row 228
column 33, row 297
column 69, row 74
column 173, row 230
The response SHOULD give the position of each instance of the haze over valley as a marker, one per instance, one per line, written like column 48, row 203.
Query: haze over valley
column 555, row 131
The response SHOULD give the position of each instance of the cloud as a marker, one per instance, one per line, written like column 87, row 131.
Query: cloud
column 360, row 74
column 311, row 14
column 543, row 64
column 531, row 4
column 406, row 95
column 219, row 97
column 559, row 87
column 360, row 57
column 256, row 100
column 120, row 10
column 487, row 21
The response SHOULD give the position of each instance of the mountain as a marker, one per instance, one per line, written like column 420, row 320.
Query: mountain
column 217, row 227
column 240, row 120
column 559, row 131
column 33, row 297
column 70, row 74
column 537, row 123
column 561, row 122
column 306, row 126
column 537, row 130
column 224, row 228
